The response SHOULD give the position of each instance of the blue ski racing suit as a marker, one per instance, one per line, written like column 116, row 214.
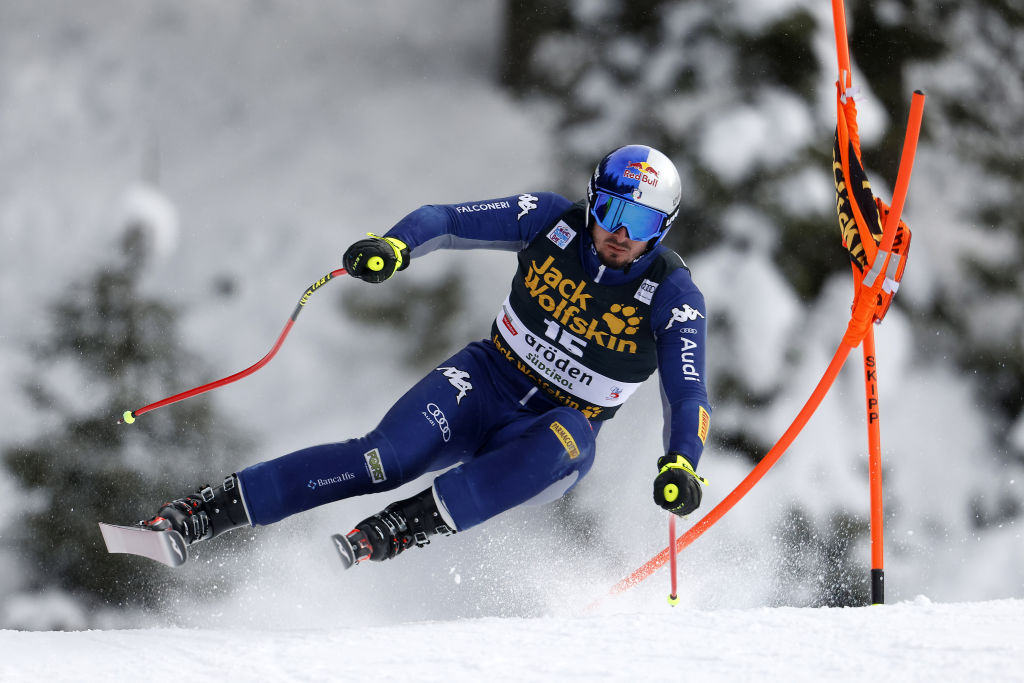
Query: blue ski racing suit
column 519, row 411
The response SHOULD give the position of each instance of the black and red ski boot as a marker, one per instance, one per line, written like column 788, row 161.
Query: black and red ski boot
column 407, row 523
column 203, row 515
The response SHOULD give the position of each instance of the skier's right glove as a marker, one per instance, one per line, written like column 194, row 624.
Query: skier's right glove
column 677, row 486
column 375, row 259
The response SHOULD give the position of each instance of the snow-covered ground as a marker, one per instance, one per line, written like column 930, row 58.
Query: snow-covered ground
column 911, row 641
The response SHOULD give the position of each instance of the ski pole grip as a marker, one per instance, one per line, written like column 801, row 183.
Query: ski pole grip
column 671, row 493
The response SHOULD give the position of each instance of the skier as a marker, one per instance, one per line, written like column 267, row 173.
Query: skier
column 596, row 305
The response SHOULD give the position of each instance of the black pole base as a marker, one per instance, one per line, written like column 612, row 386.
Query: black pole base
column 877, row 586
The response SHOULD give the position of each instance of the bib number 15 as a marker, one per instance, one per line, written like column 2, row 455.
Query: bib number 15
column 569, row 342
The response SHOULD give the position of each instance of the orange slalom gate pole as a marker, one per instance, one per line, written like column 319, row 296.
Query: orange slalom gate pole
column 877, row 521
column 870, row 359
column 872, row 406
column 899, row 192
column 885, row 266
column 842, row 45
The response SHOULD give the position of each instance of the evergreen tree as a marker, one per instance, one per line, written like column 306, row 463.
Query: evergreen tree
column 973, row 121
column 111, row 346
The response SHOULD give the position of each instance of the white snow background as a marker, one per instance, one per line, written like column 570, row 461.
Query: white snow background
column 282, row 132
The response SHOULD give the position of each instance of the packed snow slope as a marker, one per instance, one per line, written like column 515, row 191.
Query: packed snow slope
column 911, row 641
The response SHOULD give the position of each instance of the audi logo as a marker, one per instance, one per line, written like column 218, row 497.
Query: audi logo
column 441, row 420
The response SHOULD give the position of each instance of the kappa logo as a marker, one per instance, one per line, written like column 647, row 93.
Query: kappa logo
column 458, row 379
column 527, row 203
column 684, row 314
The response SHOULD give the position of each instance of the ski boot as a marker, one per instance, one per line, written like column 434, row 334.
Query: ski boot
column 399, row 526
column 207, row 513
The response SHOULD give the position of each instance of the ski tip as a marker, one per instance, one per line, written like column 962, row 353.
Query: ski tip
column 166, row 547
column 345, row 551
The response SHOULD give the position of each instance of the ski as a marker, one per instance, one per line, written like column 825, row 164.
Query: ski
column 345, row 550
column 166, row 547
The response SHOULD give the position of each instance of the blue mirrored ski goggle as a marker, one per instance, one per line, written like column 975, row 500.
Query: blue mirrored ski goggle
column 641, row 222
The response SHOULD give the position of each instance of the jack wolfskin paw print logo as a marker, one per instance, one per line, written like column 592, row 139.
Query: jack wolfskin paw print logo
column 621, row 319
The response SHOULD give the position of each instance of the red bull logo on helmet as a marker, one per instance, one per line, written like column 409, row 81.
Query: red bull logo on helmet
column 642, row 171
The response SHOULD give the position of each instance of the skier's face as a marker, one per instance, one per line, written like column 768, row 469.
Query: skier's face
column 615, row 249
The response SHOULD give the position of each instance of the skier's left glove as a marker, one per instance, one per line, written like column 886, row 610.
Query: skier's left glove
column 677, row 486
column 375, row 259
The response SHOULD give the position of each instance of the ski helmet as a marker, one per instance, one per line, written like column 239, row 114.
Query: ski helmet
column 638, row 188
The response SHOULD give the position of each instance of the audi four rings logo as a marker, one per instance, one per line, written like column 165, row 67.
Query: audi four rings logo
column 440, row 420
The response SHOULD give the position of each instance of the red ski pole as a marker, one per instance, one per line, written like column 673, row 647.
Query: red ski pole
column 673, row 597
column 128, row 417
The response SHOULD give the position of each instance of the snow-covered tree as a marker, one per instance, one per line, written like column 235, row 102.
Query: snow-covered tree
column 111, row 347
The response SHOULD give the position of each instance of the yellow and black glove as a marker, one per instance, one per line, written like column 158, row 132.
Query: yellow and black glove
column 677, row 486
column 375, row 259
